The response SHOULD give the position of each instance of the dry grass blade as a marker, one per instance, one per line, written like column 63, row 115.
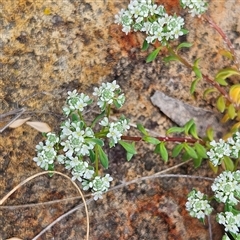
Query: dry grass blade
column 40, row 126
column 18, row 122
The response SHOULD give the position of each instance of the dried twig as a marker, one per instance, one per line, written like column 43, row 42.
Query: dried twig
column 19, row 112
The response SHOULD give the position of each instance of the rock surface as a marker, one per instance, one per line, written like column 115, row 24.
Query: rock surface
column 51, row 47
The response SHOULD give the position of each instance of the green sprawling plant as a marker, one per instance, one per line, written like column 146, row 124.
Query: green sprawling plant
column 79, row 145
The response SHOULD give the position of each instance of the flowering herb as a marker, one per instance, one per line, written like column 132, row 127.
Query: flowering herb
column 151, row 19
column 78, row 146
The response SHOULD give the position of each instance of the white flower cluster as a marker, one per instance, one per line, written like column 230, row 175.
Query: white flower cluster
column 76, row 102
column 76, row 141
column 145, row 16
column 46, row 154
column 226, row 187
column 99, row 185
column 196, row 7
column 230, row 221
column 109, row 93
column 230, row 148
column 76, row 138
column 115, row 129
column 197, row 205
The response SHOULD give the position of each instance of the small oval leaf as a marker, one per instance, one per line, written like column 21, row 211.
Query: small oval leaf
column 231, row 111
column 175, row 130
column 190, row 151
column 184, row 44
column 153, row 55
column 221, row 103
column 163, row 152
column 151, row 140
column 201, row 151
column 103, row 157
column 177, row 149
column 129, row 147
column 141, row 128
column 228, row 163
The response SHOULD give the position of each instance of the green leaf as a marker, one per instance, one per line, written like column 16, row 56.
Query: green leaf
column 197, row 72
column 221, row 105
column 187, row 126
column 200, row 149
column 116, row 104
column 190, row 151
column 92, row 156
column 221, row 81
column 210, row 133
column 228, row 163
column 184, row 44
column 226, row 53
column 157, row 149
column 186, row 157
column 141, row 128
column 129, row 147
column 226, row 72
column 175, row 130
column 145, row 45
column 153, row 55
column 185, row 31
column 209, row 90
column 197, row 162
column 151, row 140
column 101, row 115
column 163, row 152
column 50, row 168
column 103, row 157
column 196, row 63
column 170, row 58
column 193, row 85
column 177, row 149
column 231, row 111
column 193, row 131
column 95, row 140
column 129, row 156
column 74, row 117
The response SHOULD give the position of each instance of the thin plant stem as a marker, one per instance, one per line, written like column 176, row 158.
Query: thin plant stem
column 166, row 139
column 206, row 77
column 96, row 161
column 210, row 227
column 225, row 38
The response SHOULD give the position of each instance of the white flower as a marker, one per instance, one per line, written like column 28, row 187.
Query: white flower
column 39, row 147
column 86, row 184
column 227, row 187
column 196, row 7
column 61, row 159
column 88, row 174
column 218, row 151
column 197, row 205
column 114, row 133
column 89, row 132
column 230, row 221
column 97, row 195
column 72, row 94
column 52, row 139
column 104, row 122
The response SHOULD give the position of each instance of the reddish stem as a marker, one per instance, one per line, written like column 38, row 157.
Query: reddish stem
column 165, row 139
column 224, row 37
